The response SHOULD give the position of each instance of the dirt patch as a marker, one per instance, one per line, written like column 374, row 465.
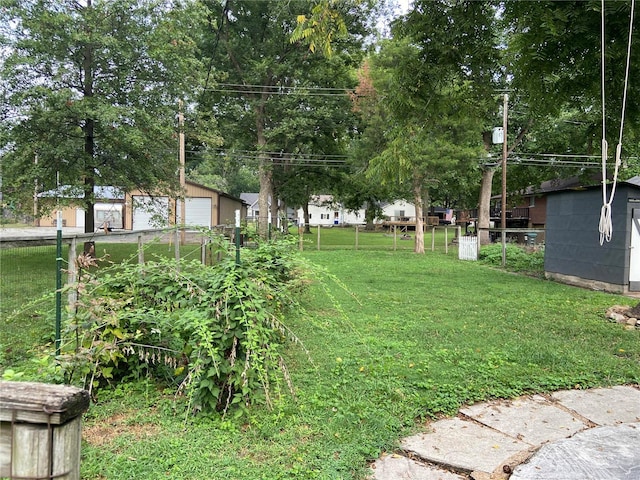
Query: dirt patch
column 116, row 426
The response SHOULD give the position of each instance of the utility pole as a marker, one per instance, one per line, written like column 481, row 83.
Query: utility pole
column 505, row 152
column 181, row 155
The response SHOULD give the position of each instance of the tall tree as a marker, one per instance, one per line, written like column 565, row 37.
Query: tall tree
column 555, row 57
column 274, row 97
column 435, row 78
column 91, row 89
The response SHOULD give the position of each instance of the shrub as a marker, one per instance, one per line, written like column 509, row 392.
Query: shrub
column 214, row 332
column 518, row 259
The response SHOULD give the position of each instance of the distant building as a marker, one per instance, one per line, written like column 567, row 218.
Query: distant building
column 136, row 210
column 324, row 211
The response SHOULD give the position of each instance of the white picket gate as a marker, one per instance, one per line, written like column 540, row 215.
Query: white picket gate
column 468, row 248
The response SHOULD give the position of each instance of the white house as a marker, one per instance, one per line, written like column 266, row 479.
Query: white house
column 324, row 211
column 399, row 211
column 251, row 199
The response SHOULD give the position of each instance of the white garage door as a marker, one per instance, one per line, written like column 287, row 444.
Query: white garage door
column 150, row 212
column 197, row 212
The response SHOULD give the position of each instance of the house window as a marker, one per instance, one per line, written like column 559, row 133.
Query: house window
column 310, row 215
column 336, row 215
column 324, row 216
column 532, row 201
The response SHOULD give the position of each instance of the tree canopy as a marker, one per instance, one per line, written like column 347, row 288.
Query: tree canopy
column 431, row 80
column 91, row 91
column 277, row 103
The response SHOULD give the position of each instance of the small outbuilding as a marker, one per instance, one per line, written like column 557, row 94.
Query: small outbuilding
column 204, row 207
column 573, row 253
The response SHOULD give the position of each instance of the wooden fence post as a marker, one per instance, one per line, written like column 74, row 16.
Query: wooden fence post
column 318, row 236
column 40, row 430
column 357, row 229
column 177, row 245
column 433, row 239
column 140, row 251
column 395, row 238
column 446, row 240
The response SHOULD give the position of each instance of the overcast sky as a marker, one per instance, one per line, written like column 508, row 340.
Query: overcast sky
column 404, row 5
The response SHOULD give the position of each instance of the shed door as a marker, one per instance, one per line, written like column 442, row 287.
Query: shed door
column 150, row 212
column 634, row 257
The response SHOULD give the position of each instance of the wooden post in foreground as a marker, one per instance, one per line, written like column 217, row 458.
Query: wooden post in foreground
column 41, row 430
column 395, row 238
column 446, row 240
column 433, row 239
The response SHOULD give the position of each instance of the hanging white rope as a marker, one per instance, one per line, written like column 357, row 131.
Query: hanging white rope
column 606, row 224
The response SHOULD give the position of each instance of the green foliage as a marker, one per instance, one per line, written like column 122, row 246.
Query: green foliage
column 91, row 89
column 321, row 29
column 214, row 332
column 517, row 258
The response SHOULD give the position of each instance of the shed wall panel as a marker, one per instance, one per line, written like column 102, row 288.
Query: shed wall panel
column 573, row 240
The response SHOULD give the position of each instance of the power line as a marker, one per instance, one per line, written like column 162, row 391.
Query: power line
column 284, row 87
column 300, row 91
column 277, row 159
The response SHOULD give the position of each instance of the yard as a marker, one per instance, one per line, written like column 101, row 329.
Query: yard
column 394, row 340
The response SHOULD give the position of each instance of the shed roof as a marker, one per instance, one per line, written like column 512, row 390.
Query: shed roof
column 573, row 183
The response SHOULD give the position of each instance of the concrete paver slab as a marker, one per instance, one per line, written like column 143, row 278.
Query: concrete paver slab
column 397, row 467
column 534, row 420
column 601, row 453
column 464, row 445
column 603, row 406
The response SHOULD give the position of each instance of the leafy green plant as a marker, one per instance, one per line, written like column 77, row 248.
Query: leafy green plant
column 214, row 332
column 518, row 258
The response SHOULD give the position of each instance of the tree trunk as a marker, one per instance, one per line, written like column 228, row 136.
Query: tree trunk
column 305, row 212
column 417, row 198
column 369, row 217
column 274, row 210
column 89, row 148
column 484, row 204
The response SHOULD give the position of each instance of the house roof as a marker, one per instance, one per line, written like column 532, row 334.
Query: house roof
column 111, row 193
column 250, row 198
column 219, row 192
column 634, row 181
column 572, row 183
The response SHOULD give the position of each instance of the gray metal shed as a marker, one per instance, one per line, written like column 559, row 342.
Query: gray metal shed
column 573, row 253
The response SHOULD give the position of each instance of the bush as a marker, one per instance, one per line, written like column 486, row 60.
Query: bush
column 214, row 332
column 518, row 259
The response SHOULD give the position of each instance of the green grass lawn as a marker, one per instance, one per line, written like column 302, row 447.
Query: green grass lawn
column 414, row 337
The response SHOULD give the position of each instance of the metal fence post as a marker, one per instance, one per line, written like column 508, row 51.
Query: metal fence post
column 72, row 276
column 58, row 281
